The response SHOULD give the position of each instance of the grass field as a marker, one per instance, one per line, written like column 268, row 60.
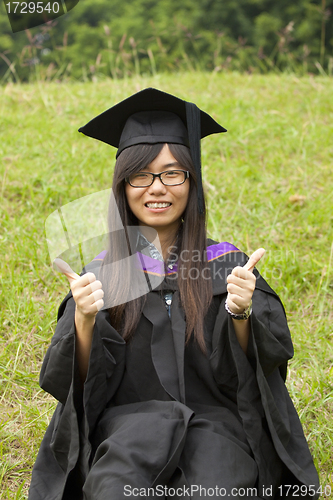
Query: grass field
column 268, row 182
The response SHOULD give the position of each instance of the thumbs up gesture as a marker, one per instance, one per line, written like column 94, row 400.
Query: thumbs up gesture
column 87, row 290
column 241, row 284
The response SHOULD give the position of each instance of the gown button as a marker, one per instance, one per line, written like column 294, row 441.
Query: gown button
column 170, row 266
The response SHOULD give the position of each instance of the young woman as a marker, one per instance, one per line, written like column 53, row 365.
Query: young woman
column 169, row 364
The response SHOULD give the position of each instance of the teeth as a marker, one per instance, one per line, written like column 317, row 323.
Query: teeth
column 158, row 205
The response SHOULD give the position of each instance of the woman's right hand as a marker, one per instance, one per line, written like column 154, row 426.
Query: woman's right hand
column 88, row 295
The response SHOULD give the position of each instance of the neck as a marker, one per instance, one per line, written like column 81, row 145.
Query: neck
column 164, row 241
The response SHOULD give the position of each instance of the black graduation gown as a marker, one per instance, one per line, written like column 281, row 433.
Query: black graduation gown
column 156, row 414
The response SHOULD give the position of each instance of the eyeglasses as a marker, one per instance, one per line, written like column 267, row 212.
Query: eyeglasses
column 168, row 178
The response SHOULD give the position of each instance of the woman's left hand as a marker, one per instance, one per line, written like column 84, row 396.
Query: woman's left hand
column 241, row 284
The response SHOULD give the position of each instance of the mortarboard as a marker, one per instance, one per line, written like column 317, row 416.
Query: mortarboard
column 152, row 116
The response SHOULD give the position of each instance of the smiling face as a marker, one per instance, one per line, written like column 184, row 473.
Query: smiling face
column 159, row 206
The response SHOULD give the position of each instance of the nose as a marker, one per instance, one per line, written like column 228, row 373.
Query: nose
column 157, row 187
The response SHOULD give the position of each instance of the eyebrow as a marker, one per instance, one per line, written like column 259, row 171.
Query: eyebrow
column 168, row 165
column 173, row 164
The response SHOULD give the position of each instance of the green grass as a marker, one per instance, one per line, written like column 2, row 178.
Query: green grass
column 268, row 182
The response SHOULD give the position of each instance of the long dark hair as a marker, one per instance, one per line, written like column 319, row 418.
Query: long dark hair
column 195, row 286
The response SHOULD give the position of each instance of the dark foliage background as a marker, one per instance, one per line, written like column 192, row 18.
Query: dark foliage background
column 118, row 38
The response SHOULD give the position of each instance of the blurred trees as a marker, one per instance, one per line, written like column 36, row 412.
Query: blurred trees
column 119, row 37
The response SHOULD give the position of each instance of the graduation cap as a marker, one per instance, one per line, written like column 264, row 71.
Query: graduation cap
column 152, row 116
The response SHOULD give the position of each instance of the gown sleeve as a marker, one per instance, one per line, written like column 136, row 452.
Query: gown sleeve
column 66, row 446
column 270, row 334
column 59, row 373
column 269, row 343
column 257, row 382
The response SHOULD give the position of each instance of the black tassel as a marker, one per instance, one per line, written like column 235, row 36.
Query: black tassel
column 194, row 134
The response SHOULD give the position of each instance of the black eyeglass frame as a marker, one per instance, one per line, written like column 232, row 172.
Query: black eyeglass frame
column 185, row 172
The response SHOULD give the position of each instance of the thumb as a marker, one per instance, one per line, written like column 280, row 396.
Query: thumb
column 65, row 269
column 254, row 259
